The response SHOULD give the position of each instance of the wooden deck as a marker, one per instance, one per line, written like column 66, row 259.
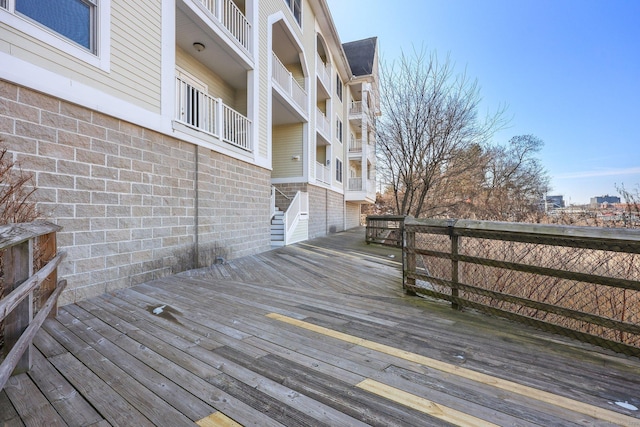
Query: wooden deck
column 316, row 334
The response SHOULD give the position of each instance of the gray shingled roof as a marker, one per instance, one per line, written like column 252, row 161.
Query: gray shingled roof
column 360, row 55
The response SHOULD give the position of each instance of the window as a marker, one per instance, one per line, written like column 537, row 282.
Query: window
column 3, row 4
column 73, row 19
column 338, row 170
column 339, row 129
column 338, row 87
column 296, row 9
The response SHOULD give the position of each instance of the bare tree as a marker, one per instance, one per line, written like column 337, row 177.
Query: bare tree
column 631, row 197
column 429, row 122
column 515, row 181
column 16, row 191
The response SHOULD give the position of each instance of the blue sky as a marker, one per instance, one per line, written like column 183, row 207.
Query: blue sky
column 568, row 71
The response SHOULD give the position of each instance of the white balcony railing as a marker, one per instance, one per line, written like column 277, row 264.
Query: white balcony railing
column 324, row 72
column 323, row 173
column 284, row 79
column 323, row 124
column 236, row 128
column 210, row 115
column 356, row 184
column 355, row 146
column 357, row 107
column 231, row 18
column 196, row 109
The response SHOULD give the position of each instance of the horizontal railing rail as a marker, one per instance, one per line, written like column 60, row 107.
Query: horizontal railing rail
column 23, row 249
column 583, row 282
column 384, row 229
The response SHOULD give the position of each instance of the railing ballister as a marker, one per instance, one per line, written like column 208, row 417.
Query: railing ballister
column 23, row 246
column 583, row 282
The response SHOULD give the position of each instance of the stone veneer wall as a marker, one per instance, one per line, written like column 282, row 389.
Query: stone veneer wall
column 126, row 196
column 326, row 211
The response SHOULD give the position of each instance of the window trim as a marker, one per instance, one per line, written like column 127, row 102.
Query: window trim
column 291, row 6
column 339, row 129
column 338, row 170
column 339, row 87
column 101, row 33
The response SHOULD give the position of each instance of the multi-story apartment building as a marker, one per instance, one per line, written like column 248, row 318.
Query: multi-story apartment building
column 169, row 135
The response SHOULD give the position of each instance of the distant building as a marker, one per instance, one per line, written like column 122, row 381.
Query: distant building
column 555, row 202
column 597, row 202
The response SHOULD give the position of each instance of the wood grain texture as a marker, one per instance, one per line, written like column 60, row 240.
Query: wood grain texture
column 213, row 354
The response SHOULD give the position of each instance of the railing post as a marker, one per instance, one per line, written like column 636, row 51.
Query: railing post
column 454, row 271
column 18, row 265
column 409, row 261
column 47, row 248
column 220, row 122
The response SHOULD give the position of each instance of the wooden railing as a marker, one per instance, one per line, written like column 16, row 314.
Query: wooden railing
column 385, row 229
column 23, row 248
column 583, row 282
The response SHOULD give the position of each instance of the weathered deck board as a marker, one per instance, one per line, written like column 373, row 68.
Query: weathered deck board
column 217, row 351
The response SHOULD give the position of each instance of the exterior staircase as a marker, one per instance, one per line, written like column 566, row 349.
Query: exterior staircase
column 277, row 228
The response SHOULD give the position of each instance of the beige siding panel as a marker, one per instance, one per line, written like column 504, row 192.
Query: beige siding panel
column 287, row 142
column 216, row 85
column 136, row 45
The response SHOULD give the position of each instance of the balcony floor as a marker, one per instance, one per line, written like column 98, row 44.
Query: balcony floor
column 317, row 333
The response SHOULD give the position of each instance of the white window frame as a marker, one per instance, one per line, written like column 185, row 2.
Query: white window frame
column 339, row 129
column 291, row 6
column 339, row 170
column 101, row 37
column 339, row 87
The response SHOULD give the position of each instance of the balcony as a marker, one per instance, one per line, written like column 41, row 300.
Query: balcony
column 289, row 87
column 323, row 71
column 357, row 110
column 323, row 173
column 358, row 184
column 205, row 113
column 360, row 190
column 355, row 146
column 223, row 35
column 323, row 125
column 232, row 19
